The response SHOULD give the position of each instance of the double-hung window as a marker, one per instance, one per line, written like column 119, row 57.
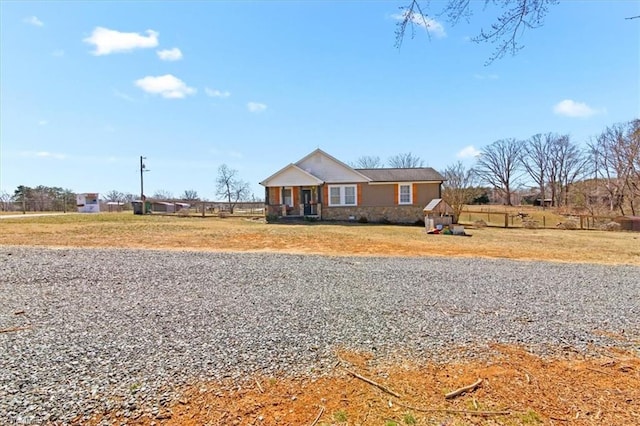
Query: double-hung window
column 287, row 196
column 343, row 195
column 405, row 195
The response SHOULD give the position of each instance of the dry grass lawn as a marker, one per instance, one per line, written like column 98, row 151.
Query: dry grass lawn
column 236, row 234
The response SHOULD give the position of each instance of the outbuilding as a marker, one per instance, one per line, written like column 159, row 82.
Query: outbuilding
column 628, row 223
column 438, row 212
column 88, row 202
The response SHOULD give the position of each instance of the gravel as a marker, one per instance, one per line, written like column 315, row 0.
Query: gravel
column 111, row 329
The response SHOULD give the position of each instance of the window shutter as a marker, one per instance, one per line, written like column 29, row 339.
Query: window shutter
column 414, row 191
column 359, row 197
column 396, row 194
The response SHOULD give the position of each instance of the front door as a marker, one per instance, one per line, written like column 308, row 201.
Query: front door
column 306, row 200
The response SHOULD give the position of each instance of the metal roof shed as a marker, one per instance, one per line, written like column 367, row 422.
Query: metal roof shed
column 438, row 207
column 438, row 212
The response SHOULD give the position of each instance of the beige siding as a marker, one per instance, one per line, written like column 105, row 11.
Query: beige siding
column 385, row 195
column 377, row 195
column 425, row 193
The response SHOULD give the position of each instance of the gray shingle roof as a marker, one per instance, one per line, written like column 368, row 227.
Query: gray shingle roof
column 402, row 175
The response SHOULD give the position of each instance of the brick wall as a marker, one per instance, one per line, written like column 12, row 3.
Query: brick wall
column 393, row 214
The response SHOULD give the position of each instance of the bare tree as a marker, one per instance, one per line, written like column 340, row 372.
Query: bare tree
column 114, row 195
column 405, row 161
column 163, row 194
column 499, row 165
column 536, row 160
column 517, row 16
column 190, row 195
column 230, row 187
column 368, row 162
column 5, row 201
column 617, row 158
column 569, row 164
column 459, row 187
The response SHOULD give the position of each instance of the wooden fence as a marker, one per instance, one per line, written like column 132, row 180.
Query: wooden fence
column 220, row 209
column 538, row 220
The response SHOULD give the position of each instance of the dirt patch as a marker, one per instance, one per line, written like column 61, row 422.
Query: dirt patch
column 517, row 388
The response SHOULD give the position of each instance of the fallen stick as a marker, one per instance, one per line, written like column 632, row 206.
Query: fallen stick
column 371, row 382
column 451, row 411
column 259, row 387
column 599, row 371
column 12, row 329
column 462, row 390
column 315, row 422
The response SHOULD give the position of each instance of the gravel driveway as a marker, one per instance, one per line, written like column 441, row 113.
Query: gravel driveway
column 119, row 329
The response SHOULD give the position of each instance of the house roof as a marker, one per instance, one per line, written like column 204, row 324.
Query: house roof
column 310, row 163
column 284, row 176
column 316, row 168
column 420, row 174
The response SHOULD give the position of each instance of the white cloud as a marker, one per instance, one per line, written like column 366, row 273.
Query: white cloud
column 214, row 93
column 58, row 53
column 431, row 25
column 108, row 41
column 256, row 107
column 47, row 154
column 33, row 20
column 119, row 94
column 571, row 108
column 43, row 123
column 174, row 54
column 167, row 86
column 43, row 154
column 468, row 152
column 235, row 154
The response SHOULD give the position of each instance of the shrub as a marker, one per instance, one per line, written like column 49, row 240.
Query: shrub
column 610, row 226
column 222, row 214
column 530, row 224
column 271, row 218
column 385, row 221
column 570, row 223
column 363, row 219
column 480, row 224
column 419, row 222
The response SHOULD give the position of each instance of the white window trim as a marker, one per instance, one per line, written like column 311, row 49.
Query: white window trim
column 410, row 185
column 282, row 195
column 342, row 195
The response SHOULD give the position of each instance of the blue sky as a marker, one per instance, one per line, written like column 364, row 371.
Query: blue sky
column 88, row 87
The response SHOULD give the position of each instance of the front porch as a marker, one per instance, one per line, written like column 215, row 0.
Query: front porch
column 294, row 201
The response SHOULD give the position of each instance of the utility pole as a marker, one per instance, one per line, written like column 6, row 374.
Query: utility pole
column 143, row 169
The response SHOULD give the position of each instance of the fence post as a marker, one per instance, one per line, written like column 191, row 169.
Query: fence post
column 544, row 221
column 581, row 221
column 203, row 209
column 506, row 220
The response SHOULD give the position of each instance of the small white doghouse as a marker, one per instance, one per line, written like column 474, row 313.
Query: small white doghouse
column 438, row 212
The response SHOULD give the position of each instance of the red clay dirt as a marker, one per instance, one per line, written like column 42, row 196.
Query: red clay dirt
column 517, row 388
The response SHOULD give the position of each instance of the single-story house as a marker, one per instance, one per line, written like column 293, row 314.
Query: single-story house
column 324, row 187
